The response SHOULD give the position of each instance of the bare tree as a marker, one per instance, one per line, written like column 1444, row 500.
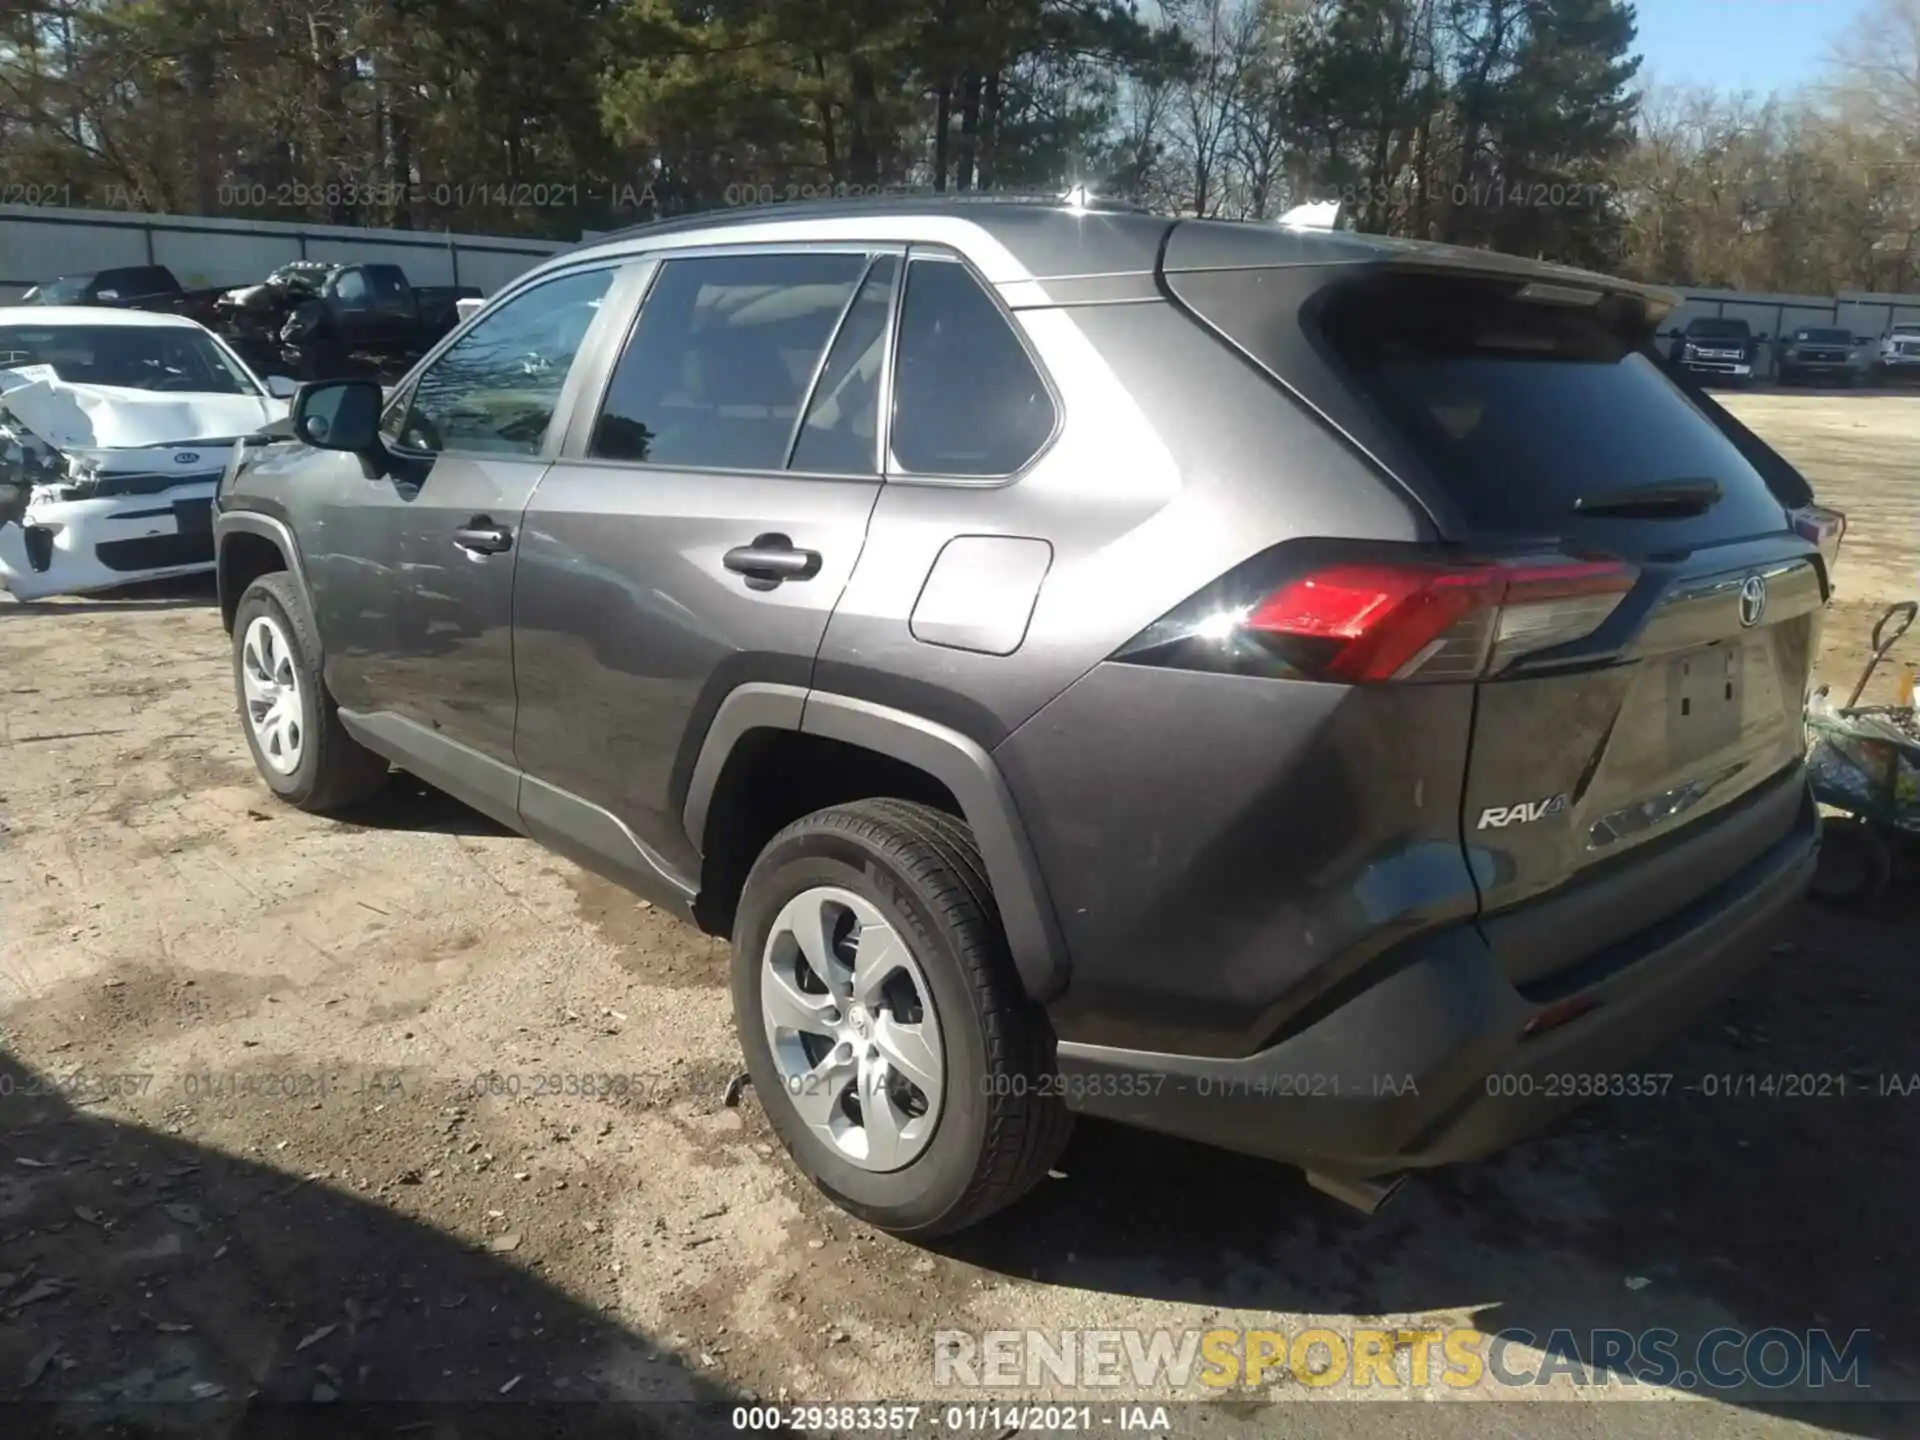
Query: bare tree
column 1225, row 36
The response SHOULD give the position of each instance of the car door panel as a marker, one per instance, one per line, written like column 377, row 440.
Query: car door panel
column 643, row 593
column 469, row 438
column 448, row 665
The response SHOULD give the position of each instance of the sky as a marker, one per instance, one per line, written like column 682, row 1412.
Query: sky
column 1757, row 45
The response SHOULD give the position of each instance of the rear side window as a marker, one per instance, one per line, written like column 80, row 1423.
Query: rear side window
column 721, row 359
column 386, row 283
column 840, row 435
column 967, row 400
column 139, row 280
column 1522, row 409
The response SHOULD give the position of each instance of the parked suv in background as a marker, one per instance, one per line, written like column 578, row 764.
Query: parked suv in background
column 1821, row 354
column 1899, row 357
column 1300, row 691
column 1717, row 349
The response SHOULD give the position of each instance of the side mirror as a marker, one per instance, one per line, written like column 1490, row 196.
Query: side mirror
column 106, row 294
column 282, row 387
column 341, row 415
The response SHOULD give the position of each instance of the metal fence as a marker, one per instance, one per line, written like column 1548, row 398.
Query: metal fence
column 37, row 243
column 1867, row 316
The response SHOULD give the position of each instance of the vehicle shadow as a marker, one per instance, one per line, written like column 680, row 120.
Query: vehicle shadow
column 187, row 592
column 154, row 1286
column 1724, row 1202
column 410, row 803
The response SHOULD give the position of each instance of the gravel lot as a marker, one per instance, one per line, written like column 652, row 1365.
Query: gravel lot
column 408, row 1108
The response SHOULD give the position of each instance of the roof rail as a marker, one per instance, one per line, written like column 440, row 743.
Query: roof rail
column 1078, row 198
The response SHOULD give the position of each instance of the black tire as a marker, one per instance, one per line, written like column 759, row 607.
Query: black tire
column 335, row 770
column 1002, row 1123
column 1855, row 864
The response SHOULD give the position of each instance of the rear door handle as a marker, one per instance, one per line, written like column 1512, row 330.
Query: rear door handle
column 482, row 537
column 770, row 560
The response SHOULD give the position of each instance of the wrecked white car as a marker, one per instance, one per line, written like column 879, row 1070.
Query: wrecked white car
column 115, row 427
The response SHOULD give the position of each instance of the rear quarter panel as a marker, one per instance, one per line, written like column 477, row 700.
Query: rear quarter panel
column 1174, row 461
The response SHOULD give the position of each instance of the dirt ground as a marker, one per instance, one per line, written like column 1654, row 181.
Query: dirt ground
column 405, row 1108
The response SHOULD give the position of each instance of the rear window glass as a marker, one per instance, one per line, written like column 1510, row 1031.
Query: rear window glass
column 1522, row 409
column 137, row 281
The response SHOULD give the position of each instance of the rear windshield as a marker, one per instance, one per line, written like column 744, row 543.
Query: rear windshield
column 1719, row 329
column 1522, row 408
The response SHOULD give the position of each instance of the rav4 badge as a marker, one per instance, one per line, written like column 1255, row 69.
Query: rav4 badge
column 1498, row 817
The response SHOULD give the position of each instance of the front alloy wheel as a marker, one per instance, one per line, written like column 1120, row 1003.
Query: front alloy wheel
column 272, row 687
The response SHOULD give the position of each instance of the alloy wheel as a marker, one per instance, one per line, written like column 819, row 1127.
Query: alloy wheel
column 850, row 1022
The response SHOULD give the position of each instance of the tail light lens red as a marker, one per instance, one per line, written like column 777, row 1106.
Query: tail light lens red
column 1370, row 621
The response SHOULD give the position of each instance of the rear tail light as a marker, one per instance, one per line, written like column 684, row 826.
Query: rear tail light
column 1825, row 528
column 1366, row 621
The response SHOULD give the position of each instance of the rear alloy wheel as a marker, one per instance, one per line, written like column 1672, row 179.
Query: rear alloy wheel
column 850, row 1024
column 886, row 1030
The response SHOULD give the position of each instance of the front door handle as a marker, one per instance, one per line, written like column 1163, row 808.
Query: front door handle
column 482, row 537
column 770, row 560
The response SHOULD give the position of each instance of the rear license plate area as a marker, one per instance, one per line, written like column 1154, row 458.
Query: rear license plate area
column 1706, row 700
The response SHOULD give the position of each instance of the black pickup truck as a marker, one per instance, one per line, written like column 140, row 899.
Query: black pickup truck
column 129, row 287
column 321, row 319
column 1717, row 348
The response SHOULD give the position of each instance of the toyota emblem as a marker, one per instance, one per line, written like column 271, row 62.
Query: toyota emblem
column 186, row 457
column 1753, row 600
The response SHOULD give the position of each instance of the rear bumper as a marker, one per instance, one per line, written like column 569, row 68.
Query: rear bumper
column 1432, row 1064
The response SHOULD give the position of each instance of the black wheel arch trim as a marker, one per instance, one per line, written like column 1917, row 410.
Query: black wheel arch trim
column 252, row 522
column 967, row 770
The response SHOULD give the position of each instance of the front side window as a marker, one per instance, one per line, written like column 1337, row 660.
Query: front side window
column 721, row 358
column 967, row 399
column 494, row 390
column 351, row 288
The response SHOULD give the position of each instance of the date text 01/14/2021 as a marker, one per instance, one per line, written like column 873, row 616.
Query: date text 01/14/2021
column 992, row 1420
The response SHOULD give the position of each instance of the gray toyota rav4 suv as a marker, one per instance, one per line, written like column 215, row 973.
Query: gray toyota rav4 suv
column 1326, row 696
